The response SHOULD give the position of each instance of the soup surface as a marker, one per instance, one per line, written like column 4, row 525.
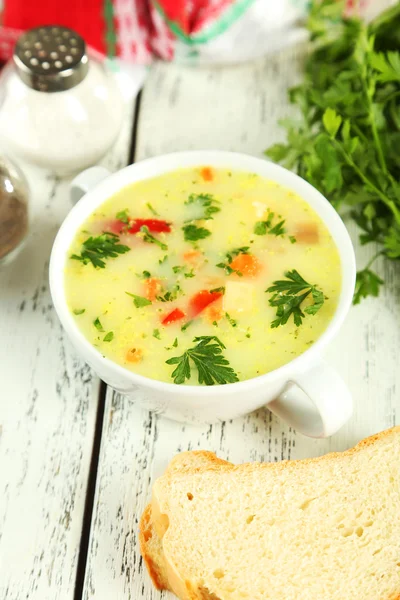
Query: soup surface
column 194, row 254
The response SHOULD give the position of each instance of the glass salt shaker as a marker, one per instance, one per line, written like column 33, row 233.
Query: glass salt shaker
column 14, row 210
column 60, row 108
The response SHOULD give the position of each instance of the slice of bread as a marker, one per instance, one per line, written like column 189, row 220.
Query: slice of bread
column 323, row 529
column 150, row 543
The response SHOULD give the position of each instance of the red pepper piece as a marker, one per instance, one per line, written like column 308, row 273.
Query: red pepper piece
column 153, row 225
column 201, row 300
column 175, row 315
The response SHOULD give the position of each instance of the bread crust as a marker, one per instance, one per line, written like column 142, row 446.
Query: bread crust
column 200, row 461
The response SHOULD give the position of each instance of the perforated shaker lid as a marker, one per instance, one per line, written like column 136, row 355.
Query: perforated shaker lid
column 51, row 58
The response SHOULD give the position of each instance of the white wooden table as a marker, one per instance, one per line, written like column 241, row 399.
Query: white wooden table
column 76, row 459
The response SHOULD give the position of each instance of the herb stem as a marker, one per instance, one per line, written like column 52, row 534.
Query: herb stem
column 385, row 199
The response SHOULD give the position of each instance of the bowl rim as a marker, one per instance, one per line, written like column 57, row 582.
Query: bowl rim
column 153, row 167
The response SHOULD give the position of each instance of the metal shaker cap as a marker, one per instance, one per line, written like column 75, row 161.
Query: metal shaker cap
column 51, row 58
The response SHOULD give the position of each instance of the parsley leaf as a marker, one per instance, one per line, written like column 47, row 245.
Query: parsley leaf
column 96, row 249
column 123, row 216
column 208, row 203
column 346, row 142
column 264, row 227
column 139, row 301
column 231, row 321
column 206, row 356
column 171, row 294
column 156, row 334
column 367, row 284
column 79, row 311
column 192, row 233
column 287, row 298
column 152, row 210
column 148, row 237
column 97, row 324
column 108, row 337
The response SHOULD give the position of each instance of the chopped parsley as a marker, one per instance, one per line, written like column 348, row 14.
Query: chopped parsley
column 206, row 356
column 218, row 289
column 171, row 294
column 231, row 321
column 264, row 227
column 152, row 210
column 148, row 237
column 79, row 311
column 108, row 337
column 156, row 334
column 186, row 325
column 175, row 344
column 139, row 301
column 123, row 216
column 192, row 233
column 287, row 298
column 97, row 249
column 208, row 202
column 97, row 324
column 162, row 260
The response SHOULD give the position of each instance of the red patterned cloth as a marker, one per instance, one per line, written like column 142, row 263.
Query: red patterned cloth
column 137, row 30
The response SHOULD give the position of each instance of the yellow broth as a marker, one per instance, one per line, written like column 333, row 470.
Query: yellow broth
column 242, row 316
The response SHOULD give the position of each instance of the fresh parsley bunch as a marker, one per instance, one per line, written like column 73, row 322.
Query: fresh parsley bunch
column 347, row 144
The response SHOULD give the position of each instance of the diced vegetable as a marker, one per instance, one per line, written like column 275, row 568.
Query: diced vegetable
column 238, row 297
column 193, row 257
column 152, row 288
column 201, row 300
column 246, row 264
column 134, row 355
column 307, row 233
column 207, row 173
column 153, row 225
column 175, row 315
column 214, row 311
column 261, row 209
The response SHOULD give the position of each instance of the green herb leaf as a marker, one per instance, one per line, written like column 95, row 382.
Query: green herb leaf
column 218, row 289
column 287, row 298
column 97, row 324
column 152, row 210
column 79, row 311
column 264, row 227
column 175, row 344
column 123, row 216
column 331, row 121
column 156, row 334
column 139, row 301
column 149, row 238
column 97, row 249
column 367, row 284
column 292, row 239
column 192, row 233
column 231, row 321
column 108, row 337
column 206, row 356
column 346, row 142
column 162, row 260
column 186, row 325
column 171, row 294
column 208, row 203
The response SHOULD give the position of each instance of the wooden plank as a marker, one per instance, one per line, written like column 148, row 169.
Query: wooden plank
column 232, row 109
column 48, row 406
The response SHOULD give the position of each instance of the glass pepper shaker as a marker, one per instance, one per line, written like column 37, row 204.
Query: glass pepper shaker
column 59, row 107
column 14, row 210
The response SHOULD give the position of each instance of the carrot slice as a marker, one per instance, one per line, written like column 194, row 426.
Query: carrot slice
column 134, row 355
column 175, row 315
column 214, row 311
column 246, row 264
column 307, row 233
column 201, row 300
column 207, row 173
column 193, row 257
column 152, row 288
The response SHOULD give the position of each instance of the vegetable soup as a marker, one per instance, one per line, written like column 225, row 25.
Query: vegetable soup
column 203, row 276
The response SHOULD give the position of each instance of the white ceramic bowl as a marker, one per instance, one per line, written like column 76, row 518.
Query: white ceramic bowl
column 306, row 392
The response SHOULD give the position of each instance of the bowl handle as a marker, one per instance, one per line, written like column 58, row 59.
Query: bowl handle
column 85, row 181
column 317, row 403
